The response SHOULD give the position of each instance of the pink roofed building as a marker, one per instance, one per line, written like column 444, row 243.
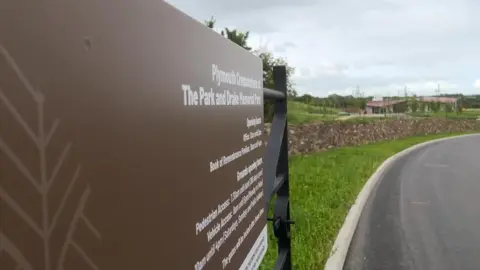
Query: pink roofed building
column 385, row 106
column 401, row 105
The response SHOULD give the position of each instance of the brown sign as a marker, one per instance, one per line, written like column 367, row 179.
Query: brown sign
column 130, row 138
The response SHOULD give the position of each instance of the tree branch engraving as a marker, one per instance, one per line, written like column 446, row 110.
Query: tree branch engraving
column 41, row 137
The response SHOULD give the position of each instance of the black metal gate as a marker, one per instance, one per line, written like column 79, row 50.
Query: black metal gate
column 276, row 169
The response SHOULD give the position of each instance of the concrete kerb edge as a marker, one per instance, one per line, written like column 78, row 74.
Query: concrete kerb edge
column 339, row 250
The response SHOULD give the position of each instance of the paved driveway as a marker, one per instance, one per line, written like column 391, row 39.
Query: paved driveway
column 425, row 213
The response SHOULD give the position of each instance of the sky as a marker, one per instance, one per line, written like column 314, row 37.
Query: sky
column 381, row 46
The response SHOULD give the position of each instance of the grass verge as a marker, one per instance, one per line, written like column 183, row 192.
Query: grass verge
column 464, row 115
column 323, row 188
column 301, row 113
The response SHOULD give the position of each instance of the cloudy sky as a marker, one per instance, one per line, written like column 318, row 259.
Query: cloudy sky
column 379, row 45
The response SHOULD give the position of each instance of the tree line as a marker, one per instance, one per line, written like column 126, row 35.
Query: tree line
column 355, row 101
column 268, row 59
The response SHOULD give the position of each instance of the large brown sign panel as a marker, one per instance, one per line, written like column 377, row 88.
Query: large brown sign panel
column 130, row 138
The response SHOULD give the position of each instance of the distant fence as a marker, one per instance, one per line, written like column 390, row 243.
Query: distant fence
column 276, row 169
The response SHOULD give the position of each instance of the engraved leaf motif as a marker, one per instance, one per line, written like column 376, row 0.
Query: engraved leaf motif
column 42, row 183
column 7, row 245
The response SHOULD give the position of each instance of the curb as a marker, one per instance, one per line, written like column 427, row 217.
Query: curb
column 339, row 250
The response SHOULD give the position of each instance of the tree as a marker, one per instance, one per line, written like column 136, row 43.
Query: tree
column 268, row 61
column 324, row 107
column 414, row 104
column 459, row 106
column 210, row 23
column 363, row 103
column 422, row 107
column 358, row 99
column 237, row 37
column 448, row 108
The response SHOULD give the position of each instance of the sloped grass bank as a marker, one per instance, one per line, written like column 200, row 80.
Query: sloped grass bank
column 323, row 187
column 301, row 113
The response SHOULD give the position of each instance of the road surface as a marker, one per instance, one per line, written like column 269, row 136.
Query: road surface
column 425, row 212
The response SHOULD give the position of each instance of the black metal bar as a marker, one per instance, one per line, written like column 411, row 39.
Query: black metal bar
column 272, row 153
column 276, row 170
column 282, row 258
column 277, row 184
column 273, row 94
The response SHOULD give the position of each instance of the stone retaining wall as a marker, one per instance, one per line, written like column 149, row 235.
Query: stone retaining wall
column 309, row 138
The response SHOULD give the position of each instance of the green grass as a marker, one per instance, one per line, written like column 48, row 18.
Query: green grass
column 363, row 120
column 323, row 187
column 468, row 114
column 300, row 106
column 366, row 120
column 301, row 113
column 305, row 118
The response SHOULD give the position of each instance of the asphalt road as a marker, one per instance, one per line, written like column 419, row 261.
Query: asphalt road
column 424, row 213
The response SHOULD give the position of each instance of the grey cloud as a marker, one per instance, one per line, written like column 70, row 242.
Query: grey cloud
column 227, row 8
column 284, row 46
column 304, row 72
column 322, row 84
column 227, row 14
column 253, row 25
column 250, row 5
column 373, row 43
column 372, row 61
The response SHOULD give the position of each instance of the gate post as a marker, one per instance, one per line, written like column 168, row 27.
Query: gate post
column 277, row 173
